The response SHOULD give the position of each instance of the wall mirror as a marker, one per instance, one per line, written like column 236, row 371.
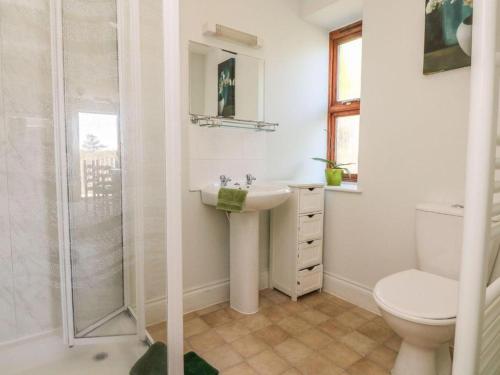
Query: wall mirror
column 224, row 84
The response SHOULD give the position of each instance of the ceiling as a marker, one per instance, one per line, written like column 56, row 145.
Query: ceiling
column 332, row 14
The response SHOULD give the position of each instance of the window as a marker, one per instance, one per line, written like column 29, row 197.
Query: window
column 345, row 97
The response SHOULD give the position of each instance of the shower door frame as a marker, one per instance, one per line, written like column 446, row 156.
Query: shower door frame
column 58, row 94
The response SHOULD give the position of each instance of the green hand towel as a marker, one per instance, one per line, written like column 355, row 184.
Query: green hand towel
column 232, row 200
column 154, row 362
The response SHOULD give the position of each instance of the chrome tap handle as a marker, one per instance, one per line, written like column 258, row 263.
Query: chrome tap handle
column 224, row 180
column 250, row 179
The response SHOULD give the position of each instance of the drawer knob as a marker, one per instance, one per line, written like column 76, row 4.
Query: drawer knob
column 311, row 189
column 310, row 242
column 310, row 216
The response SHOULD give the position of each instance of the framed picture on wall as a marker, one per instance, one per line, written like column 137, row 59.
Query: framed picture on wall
column 226, row 88
column 448, row 35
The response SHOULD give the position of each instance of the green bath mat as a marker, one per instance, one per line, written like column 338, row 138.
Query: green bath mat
column 195, row 365
column 154, row 362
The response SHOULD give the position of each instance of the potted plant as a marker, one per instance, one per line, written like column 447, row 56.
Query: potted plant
column 334, row 172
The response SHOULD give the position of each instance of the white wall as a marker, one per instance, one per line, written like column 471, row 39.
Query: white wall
column 296, row 92
column 412, row 150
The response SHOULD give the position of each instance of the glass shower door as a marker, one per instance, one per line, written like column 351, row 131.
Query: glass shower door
column 99, row 267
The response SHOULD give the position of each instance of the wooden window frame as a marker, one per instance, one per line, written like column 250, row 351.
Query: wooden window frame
column 338, row 109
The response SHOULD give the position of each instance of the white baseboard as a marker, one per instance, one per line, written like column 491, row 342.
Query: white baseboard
column 197, row 298
column 350, row 291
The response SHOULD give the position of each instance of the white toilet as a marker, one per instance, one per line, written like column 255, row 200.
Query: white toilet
column 420, row 305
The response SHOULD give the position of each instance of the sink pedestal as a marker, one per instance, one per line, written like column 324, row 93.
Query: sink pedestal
column 244, row 262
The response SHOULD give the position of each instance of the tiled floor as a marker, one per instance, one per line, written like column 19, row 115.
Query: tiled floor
column 318, row 335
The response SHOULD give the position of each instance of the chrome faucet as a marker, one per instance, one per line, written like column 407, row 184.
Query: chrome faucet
column 224, row 180
column 250, row 179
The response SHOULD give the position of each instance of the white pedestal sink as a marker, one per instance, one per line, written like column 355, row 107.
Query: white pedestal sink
column 244, row 240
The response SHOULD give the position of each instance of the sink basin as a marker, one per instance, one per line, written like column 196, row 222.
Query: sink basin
column 244, row 239
column 261, row 196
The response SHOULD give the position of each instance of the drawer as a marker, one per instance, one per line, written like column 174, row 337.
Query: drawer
column 309, row 279
column 310, row 254
column 311, row 200
column 310, row 227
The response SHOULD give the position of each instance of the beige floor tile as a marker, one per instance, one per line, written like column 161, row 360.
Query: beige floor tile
column 223, row 357
column 187, row 347
column 268, row 363
column 331, row 309
column 366, row 367
column 313, row 316
column 190, row 316
column 241, row 369
column 294, row 325
column 384, row 357
column 276, row 296
column 318, row 335
column 293, row 350
column 314, row 338
column 256, row 322
column 368, row 315
column 264, row 302
column 314, row 299
column 272, row 335
column 380, row 321
column 341, row 355
column 208, row 310
column 158, row 332
column 376, row 332
column 232, row 331
column 394, row 343
column 341, row 302
column 334, row 329
column 233, row 314
column 194, row 327
column 275, row 313
column 206, row 341
column 316, row 364
column 249, row 345
column 359, row 343
column 293, row 307
column 216, row 318
column 292, row 371
column 350, row 320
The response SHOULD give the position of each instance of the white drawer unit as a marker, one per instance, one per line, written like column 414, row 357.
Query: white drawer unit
column 310, row 279
column 311, row 200
column 297, row 241
column 310, row 227
column 309, row 254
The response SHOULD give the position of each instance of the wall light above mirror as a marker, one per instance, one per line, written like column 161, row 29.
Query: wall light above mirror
column 226, row 88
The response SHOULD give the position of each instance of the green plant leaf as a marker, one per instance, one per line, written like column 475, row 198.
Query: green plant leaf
column 332, row 163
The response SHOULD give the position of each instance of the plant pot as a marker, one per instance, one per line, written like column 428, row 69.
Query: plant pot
column 333, row 176
column 464, row 36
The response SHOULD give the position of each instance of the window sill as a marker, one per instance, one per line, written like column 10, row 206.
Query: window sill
column 346, row 187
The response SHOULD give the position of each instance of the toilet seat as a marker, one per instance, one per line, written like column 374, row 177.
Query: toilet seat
column 419, row 296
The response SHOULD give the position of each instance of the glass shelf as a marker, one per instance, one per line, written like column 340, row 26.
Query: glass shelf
column 226, row 122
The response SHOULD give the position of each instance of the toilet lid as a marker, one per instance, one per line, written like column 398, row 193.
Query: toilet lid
column 419, row 294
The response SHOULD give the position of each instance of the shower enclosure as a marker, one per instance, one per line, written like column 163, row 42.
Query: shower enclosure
column 101, row 262
column 116, row 142
column 89, row 137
